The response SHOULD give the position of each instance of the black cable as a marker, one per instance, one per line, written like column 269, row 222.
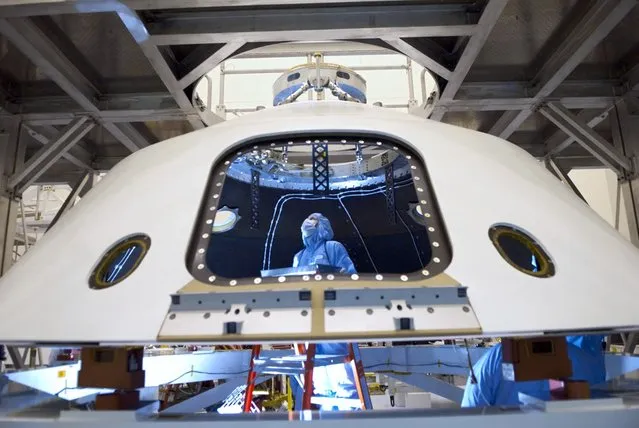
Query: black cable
column 473, row 378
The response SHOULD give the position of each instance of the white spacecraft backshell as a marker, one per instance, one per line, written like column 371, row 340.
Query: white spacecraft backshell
column 478, row 180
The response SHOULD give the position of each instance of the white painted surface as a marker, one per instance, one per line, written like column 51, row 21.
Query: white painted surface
column 356, row 320
column 478, row 180
column 193, row 323
column 403, row 400
column 600, row 187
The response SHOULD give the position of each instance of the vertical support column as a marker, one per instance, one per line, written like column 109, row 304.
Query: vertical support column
column 562, row 174
column 250, row 380
column 255, row 199
column 8, row 218
column 75, row 192
column 320, row 168
column 625, row 132
column 11, row 159
column 220, row 109
column 309, row 60
column 309, row 366
column 389, row 190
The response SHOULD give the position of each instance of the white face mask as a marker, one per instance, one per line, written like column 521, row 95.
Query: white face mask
column 309, row 227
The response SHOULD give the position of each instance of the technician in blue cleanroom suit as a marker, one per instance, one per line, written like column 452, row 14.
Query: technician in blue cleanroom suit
column 336, row 380
column 318, row 247
column 491, row 389
column 592, row 344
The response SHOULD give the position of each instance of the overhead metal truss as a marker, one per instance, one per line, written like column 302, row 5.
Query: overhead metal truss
column 183, row 39
column 486, row 23
column 49, row 154
column 46, row 55
column 304, row 23
column 579, row 130
column 592, row 28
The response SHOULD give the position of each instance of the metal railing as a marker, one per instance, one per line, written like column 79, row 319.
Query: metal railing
column 221, row 109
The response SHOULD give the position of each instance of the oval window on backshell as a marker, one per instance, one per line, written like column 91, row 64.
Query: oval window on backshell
column 521, row 251
column 120, row 261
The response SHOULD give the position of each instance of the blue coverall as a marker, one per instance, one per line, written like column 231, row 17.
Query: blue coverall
column 492, row 389
column 318, row 247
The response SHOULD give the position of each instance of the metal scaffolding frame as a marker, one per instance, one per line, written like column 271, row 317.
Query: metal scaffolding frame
column 35, row 44
column 221, row 108
column 159, row 27
column 597, row 23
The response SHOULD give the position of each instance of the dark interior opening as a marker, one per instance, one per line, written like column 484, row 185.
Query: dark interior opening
column 359, row 219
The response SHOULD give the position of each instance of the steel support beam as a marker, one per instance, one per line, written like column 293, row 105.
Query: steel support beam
column 562, row 174
column 309, row 24
column 36, row 46
column 69, row 202
column 49, row 154
column 177, row 38
column 11, row 158
column 473, row 96
column 91, row 182
column 48, row 7
column 8, row 222
column 625, row 134
column 161, row 67
column 301, row 49
column 127, row 135
column 113, row 117
column 210, row 397
column 158, row 114
column 77, row 155
column 558, row 142
column 632, row 78
column 586, row 137
column 517, row 104
column 138, row 31
column 631, row 343
column 503, row 122
column 209, row 63
column 597, row 23
column 58, row 145
column 488, row 19
column 594, row 26
column 41, row 7
column 433, row 385
column 419, row 57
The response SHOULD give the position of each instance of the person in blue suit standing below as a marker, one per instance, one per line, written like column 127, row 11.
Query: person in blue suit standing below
column 594, row 345
column 489, row 388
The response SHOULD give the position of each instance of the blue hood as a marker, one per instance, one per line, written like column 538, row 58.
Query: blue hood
column 323, row 233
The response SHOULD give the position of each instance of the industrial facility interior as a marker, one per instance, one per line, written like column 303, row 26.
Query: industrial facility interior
column 87, row 86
